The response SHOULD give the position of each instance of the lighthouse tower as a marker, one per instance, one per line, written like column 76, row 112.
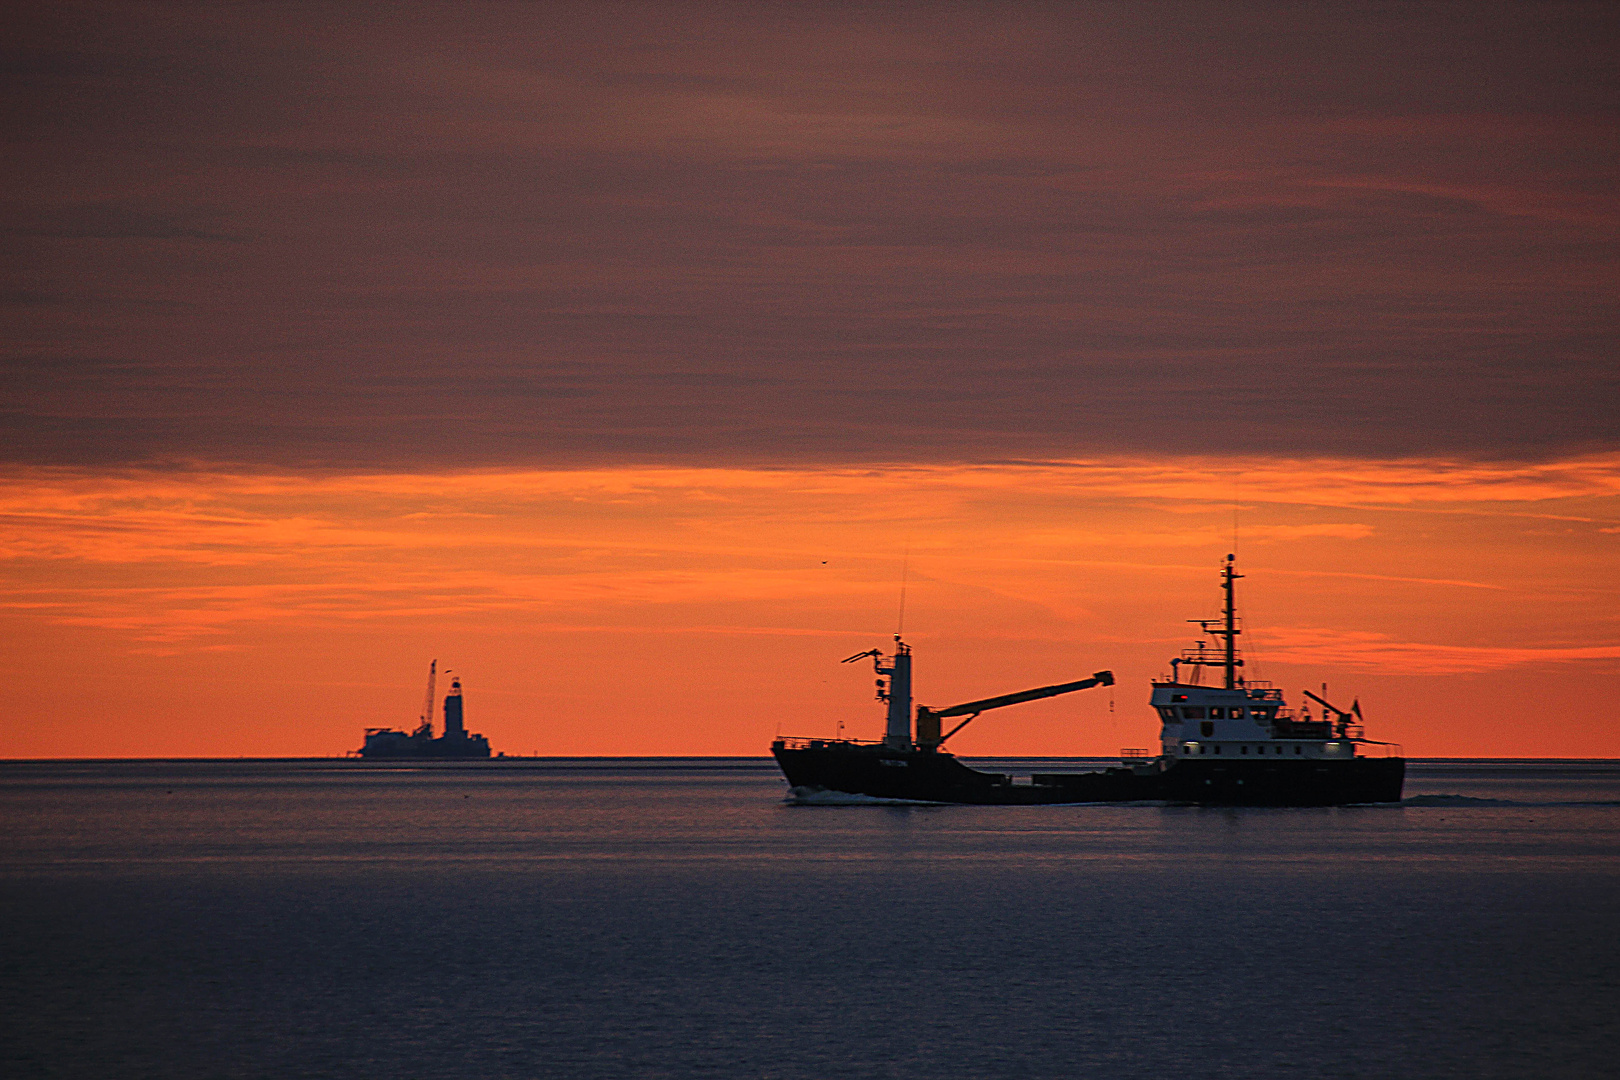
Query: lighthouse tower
column 454, row 729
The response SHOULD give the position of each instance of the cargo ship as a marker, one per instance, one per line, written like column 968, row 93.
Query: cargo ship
column 456, row 742
column 1233, row 744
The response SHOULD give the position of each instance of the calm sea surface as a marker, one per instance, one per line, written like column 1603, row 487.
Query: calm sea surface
column 589, row 919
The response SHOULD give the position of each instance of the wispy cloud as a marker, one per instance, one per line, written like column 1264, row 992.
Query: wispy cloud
column 1361, row 651
column 168, row 556
column 749, row 577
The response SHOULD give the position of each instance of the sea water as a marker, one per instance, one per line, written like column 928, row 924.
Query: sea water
column 656, row 919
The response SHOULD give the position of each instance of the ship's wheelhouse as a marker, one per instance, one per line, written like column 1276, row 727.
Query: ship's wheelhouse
column 1246, row 721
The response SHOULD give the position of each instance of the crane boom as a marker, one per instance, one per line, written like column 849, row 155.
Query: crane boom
column 928, row 735
column 426, row 723
column 1105, row 678
column 1325, row 703
column 1344, row 717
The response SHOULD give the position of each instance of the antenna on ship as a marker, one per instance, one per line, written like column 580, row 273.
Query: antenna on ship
column 1228, row 576
column 905, row 570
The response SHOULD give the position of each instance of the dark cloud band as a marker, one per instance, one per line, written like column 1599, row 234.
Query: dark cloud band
column 448, row 236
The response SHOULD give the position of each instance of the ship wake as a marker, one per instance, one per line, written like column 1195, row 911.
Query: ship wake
column 1470, row 800
column 814, row 796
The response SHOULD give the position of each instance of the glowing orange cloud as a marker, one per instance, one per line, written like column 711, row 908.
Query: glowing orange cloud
column 623, row 611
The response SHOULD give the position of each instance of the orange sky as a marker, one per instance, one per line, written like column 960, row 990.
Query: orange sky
column 1471, row 608
column 615, row 354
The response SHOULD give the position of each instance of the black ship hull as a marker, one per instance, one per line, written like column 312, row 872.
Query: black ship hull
column 922, row 776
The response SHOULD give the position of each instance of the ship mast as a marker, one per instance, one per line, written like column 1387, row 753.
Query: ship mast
column 1228, row 575
column 1228, row 661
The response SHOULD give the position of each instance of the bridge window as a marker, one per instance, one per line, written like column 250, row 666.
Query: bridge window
column 1193, row 712
column 1237, row 714
column 1217, row 713
column 1217, row 749
column 1167, row 713
column 1245, row 749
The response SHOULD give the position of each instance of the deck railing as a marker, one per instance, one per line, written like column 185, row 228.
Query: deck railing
column 793, row 743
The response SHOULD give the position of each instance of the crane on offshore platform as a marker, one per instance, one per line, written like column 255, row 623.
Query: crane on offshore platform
column 425, row 727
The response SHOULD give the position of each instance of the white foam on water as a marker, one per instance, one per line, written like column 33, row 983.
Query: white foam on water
column 802, row 796
column 1455, row 800
column 1469, row 800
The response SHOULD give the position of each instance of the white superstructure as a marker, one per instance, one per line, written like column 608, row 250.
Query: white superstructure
column 1246, row 721
column 1242, row 718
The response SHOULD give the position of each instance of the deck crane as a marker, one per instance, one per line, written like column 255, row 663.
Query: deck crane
column 1343, row 725
column 426, row 724
column 928, row 720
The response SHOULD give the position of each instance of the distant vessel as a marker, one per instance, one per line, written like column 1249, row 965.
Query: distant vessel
column 1236, row 744
column 456, row 742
